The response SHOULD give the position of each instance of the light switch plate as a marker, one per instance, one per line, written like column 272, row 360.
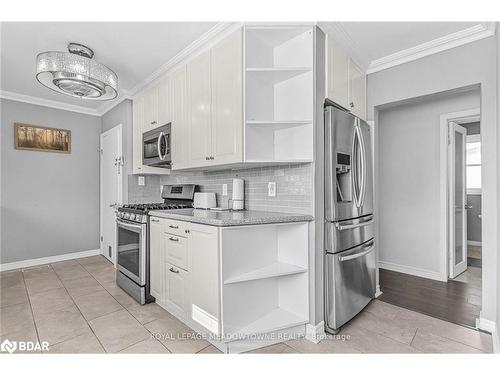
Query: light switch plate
column 271, row 189
column 224, row 189
column 141, row 180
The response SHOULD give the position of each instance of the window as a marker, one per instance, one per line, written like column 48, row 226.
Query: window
column 473, row 161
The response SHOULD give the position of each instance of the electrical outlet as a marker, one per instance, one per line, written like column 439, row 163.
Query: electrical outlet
column 271, row 189
column 141, row 180
column 224, row 189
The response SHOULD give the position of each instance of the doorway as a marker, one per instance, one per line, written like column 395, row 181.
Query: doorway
column 464, row 220
column 111, row 178
column 417, row 269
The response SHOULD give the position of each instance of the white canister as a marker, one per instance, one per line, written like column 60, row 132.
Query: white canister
column 238, row 194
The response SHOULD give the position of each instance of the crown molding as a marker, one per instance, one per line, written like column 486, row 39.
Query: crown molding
column 337, row 32
column 205, row 40
column 444, row 43
column 47, row 103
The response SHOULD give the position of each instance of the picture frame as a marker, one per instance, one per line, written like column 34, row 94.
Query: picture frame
column 41, row 138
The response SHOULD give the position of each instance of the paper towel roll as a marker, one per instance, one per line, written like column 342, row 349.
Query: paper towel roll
column 238, row 194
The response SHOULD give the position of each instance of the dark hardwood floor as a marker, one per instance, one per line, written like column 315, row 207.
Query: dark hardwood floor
column 446, row 301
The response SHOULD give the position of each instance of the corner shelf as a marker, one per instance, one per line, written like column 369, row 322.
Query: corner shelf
column 277, row 269
column 279, row 123
column 278, row 74
column 275, row 320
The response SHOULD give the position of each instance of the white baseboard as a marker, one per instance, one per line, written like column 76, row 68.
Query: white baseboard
column 315, row 333
column 474, row 243
column 491, row 327
column 411, row 270
column 496, row 342
column 378, row 292
column 46, row 260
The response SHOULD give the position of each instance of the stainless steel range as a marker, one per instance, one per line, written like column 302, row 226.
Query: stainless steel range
column 132, row 228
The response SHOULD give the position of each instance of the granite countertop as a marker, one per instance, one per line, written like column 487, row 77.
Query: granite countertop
column 229, row 218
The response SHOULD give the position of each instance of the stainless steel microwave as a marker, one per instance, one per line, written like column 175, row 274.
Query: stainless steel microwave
column 157, row 147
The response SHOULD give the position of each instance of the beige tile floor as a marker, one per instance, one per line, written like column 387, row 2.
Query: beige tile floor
column 76, row 306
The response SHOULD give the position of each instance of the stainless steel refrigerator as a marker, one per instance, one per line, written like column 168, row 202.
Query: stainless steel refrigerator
column 349, row 228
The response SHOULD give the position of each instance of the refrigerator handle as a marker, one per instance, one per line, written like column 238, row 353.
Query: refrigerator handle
column 354, row 165
column 369, row 248
column 363, row 165
column 329, row 168
column 341, row 226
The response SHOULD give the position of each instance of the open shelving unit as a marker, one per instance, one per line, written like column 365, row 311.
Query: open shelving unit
column 279, row 98
column 265, row 278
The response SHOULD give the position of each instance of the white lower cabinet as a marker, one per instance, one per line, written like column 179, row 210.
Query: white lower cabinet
column 233, row 283
column 176, row 292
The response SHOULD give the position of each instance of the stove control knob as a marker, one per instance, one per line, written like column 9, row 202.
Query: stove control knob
column 127, row 215
column 132, row 216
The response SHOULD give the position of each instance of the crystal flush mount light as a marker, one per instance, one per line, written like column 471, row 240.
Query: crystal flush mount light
column 76, row 74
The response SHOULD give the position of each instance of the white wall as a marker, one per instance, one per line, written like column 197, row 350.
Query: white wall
column 470, row 64
column 49, row 201
column 409, row 182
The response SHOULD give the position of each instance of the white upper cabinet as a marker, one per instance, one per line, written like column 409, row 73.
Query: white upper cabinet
column 180, row 119
column 164, row 113
column 246, row 100
column 346, row 81
column 200, row 103
column 138, row 119
column 357, row 90
column 227, row 100
column 151, row 108
column 337, row 75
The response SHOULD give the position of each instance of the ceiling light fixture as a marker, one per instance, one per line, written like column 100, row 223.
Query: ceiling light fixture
column 76, row 74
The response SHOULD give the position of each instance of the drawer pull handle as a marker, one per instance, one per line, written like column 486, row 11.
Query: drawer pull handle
column 173, row 226
column 173, row 239
column 155, row 220
column 174, row 271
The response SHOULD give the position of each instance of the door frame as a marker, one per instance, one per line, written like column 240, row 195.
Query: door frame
column 118, row 128
column 461, row 117
column 453, row 127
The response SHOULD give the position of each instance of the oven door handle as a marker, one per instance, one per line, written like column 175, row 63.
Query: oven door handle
column 128, row 225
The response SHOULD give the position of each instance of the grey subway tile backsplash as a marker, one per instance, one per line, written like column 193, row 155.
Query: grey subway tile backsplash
column 294, row 184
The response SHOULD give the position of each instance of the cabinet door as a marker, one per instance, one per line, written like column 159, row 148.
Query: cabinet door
column 156, row 257
column 137, row 127
column 227, row 100
column 177, row 288
column 151, row 108
column 357, row 90
column 164, row 101
column 177, row 251
column 200, row 97
column 337, row 74
column 180, row 119
column 204, row 254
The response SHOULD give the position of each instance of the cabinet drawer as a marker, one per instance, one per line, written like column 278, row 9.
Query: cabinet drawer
column 177, row 228
column 176, row 250
column 177, row 287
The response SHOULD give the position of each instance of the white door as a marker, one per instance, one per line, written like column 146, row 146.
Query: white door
column 111, row 188
column 180, row 119
column 200, row 102
column 457, row 200
column 227, row 100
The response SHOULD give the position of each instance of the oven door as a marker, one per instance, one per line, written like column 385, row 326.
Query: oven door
column 131, row 257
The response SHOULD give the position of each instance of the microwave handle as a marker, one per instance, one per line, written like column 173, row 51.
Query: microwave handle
column 162, row 157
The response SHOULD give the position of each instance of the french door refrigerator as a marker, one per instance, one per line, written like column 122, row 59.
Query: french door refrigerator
column 349, row 228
